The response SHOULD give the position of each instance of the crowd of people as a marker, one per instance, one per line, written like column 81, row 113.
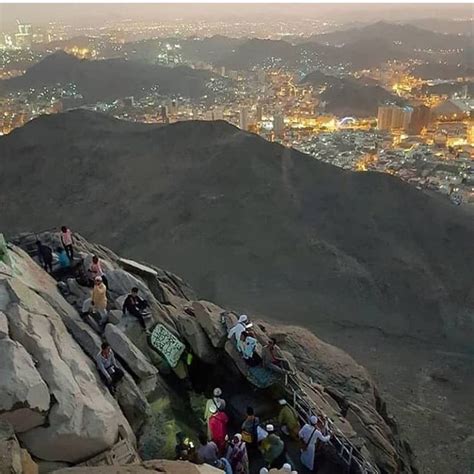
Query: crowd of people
column 62, row 263
column 217, row 446
column 262, row 441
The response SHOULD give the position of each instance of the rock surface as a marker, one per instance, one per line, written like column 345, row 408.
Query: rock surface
column 24, row 396
column 134, row 359
column 83, row 419
column 335, row 383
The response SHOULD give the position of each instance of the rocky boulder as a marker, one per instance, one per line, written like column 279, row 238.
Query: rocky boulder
column 24, row 396
column 14, row 459
column 132, row 357
column 208, row 316
column 83, row 418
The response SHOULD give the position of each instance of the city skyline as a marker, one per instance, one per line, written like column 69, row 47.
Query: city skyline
column 92, row 14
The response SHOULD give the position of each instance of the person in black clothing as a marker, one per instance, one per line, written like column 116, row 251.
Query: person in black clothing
column 45, row 255
column 135, row 305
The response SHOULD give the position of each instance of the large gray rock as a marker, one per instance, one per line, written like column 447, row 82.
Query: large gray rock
column 10, row 452
column 132, row 357
column 133, row 403
column 83, row 419
column 195, row 336
column 3, row 325
column 209, row 317
column 24, row 397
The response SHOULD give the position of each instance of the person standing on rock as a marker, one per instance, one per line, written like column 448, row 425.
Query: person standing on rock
column 107, row 366
column 67, row 241
column 270, row 359
column 273, row 449
column 45, row 256
column 249, row 428
column 288, row 420
column 237, row 330
column 218, row 427
column 237, row 455
column 216, row 402
column 99, row 299
column 95, row 270
column 309, row 436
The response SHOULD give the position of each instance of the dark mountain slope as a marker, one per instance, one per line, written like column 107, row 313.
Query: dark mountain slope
column 109, row 79
column 349, row 96
column 248, row 222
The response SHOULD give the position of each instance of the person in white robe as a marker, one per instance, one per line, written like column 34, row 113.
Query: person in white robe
column 309, row 435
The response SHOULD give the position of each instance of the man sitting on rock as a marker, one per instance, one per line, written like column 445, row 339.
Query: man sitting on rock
column 136, row 306
column 107, row 366
column 271, row 360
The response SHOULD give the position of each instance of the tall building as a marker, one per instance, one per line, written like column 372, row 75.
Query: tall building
column 420, row 119
column 164, row 114
column 279, row 125
column 244, row 119
column 24, row 37
column 392, row 117
column 384, row 117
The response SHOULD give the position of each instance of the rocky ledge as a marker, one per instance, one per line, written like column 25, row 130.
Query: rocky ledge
column 61, row 413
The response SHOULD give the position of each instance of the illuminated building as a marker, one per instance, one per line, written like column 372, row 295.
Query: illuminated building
column 244, row 119
column 420, row 118
column 392, row 117
column 279, row 125
column 384, row 117
column 24, row 38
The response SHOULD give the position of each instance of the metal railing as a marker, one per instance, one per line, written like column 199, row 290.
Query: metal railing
column 305, row 407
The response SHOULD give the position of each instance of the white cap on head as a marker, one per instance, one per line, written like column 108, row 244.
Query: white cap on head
column 243, row 318
column 264, row 470
column 286, row 467
column 282, row 401
column 217, row 392
column 270, row 428
column 98, row 279
column 313, row 420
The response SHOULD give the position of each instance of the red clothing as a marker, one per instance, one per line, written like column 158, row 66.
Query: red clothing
column 218, row 429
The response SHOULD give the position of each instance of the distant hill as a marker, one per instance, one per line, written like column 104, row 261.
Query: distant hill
column 349, row 96
column 249, row 223
column 109, row 79
column 406, row 37
column 442, row 71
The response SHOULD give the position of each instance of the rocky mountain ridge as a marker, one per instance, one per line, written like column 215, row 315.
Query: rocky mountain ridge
column 55, row 382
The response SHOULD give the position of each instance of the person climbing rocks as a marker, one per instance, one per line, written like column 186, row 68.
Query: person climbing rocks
column 273, row 449
column 237, row 330
column 107, row 366
column 95, row 270
column 270, row 359
column 237, row 455
column 217, row 402
column 98, row 301
column 67, row 241
column 218, row 427
column 250, row 428
column 288, row 420
column 309, row 436
column 45, row 256
column 208, row 453
column 135, row 306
